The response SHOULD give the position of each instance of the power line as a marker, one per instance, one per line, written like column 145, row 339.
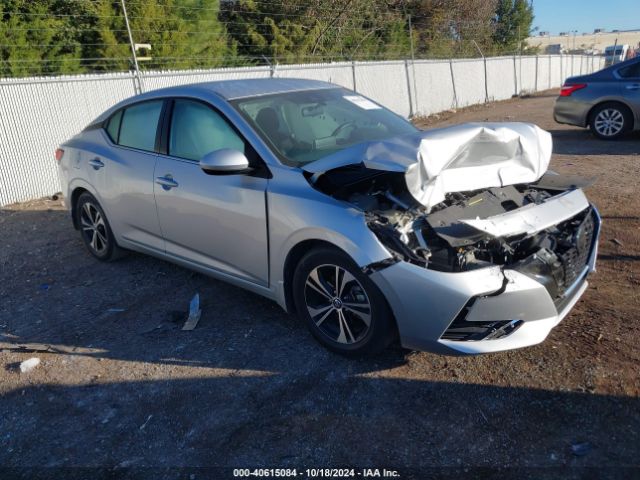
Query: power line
column 387, row 10
column 337, row 27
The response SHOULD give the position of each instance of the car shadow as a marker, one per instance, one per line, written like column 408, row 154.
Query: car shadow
column 580, row 141
column 58, row 299
column 326, row 418
column 121, row 386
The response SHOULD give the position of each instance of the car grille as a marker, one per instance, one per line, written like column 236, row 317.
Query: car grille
column 563, row 267
column 575, row 258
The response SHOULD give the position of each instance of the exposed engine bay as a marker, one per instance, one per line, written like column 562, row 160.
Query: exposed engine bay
column 438, row 238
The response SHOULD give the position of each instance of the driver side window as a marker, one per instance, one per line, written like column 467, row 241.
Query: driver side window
column 197, row 129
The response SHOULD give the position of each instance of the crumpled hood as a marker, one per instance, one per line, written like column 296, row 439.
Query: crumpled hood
column 461, row 158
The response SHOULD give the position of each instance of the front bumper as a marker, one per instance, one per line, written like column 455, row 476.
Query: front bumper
column 426, row 303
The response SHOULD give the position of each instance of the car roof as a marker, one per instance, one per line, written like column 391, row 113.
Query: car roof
column 250, row 87
column 227, row 89
column 233, row 89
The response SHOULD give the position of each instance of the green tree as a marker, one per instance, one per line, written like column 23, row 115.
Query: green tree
column 290, row 31
column 513, row 22
column 34, row 43
column 452, row 28
column 182, row 33
column 78, row 36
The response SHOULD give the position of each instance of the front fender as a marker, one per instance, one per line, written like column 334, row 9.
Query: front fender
column 297, row 213
column 360, row 244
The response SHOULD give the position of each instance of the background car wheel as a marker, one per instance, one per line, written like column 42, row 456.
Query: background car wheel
column 95, row 230
column 610, row 120
column 342, row 307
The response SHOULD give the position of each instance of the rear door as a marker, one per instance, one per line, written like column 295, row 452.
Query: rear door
column 630, row 77
column 216, row 221
column 123, row 174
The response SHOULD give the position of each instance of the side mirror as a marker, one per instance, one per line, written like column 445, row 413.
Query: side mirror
column 225, row 162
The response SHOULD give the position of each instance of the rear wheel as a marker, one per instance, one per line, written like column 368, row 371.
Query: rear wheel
column 341, row 306
column 610, row 121
column 95, row 230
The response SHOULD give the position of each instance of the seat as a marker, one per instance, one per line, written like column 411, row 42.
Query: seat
column 268, row 120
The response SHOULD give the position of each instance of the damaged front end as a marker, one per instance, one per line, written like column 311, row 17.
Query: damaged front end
column 521, row 251
column 544, row 229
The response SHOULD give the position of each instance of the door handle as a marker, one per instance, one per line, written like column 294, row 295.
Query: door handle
column 96, row 163
column 167, row 182
column 635, row 86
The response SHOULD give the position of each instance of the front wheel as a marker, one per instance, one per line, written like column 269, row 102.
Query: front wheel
column 341, row 306
column 610, row 121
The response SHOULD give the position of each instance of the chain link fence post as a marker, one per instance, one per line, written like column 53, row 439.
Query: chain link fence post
column 515, row 75
column 413, row 67
column 353, row 74
column 408, row 75
column 486, row 83
column 453, row 83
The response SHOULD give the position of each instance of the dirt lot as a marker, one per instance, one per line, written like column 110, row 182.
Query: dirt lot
column 120, row 385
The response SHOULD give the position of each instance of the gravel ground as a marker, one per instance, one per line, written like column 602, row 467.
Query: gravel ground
column 120, row 386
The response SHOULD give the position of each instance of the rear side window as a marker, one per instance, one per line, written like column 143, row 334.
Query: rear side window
column 139, row 124
column 113, row 126
column 632, row 71
column 197, row 129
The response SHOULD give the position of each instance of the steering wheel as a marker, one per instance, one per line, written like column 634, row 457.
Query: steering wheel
column 343, row 126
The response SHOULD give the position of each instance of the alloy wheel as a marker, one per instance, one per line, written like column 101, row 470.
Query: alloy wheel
column 93, row 228
column 338, row 304
column 609, row 122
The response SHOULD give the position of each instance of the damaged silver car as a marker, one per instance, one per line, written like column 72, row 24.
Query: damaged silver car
column 457, row 240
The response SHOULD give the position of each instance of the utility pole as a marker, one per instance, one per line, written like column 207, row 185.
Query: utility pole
column 133, row 49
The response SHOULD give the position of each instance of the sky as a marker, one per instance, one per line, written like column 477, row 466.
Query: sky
column 557, row 16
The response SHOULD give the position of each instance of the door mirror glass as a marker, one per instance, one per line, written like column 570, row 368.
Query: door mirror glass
column 224, row 162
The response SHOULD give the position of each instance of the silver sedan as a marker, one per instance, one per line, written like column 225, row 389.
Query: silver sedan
column 608, row 101
column 331, row 205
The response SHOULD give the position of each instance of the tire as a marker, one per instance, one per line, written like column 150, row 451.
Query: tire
column 95, row 230
column 610, row 120
column 356, row 323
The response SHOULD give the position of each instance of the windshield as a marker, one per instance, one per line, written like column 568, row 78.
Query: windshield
column 305, row 126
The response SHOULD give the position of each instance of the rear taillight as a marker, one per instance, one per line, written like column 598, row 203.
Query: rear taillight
column 59, row 154
column 567, row 90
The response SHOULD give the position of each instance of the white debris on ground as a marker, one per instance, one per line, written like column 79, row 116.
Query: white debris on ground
column 194, row 313
column 30, row 364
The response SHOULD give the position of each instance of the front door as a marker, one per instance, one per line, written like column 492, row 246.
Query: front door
column 216, row 221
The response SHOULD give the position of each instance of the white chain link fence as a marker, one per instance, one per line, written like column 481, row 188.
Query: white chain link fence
column 37, row 114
